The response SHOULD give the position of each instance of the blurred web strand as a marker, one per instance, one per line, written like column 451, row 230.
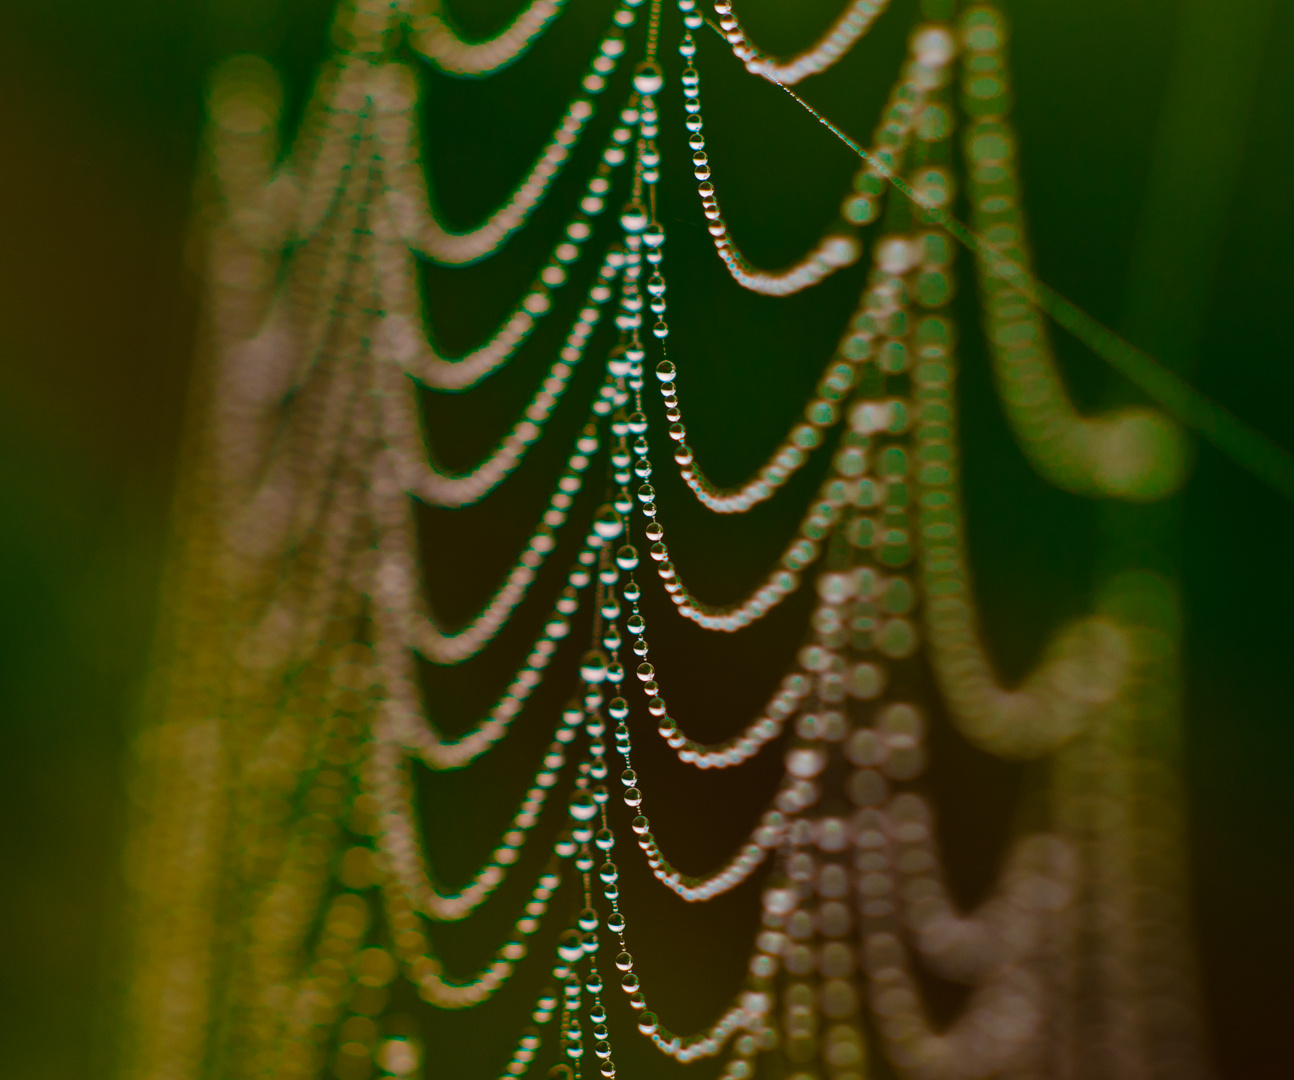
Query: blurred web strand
column 1245, row 445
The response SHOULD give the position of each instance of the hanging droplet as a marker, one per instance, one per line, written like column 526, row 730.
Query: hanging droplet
column 619, row 708
column 617, row 363
column 604, row 839
column 625, row 962
column 587, row 919
column 805, row 763
column 633, row 797
column 593, row 667
column 582, row 807
column 627, row 557
column 569, row 946
column 608, row 524
column 633, row 218
column 608, row 872
column 648, row 78
column 654, row 237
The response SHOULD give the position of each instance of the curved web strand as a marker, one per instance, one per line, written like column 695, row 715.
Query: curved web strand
column 832, row 47
column 924, row 71
column 1035, row 887
column 403, row 330
column 434, row 37
column 1085, row 665
column 244, row 108
column 879, row 308
column 387, row 780
column 403, row 707
column 294, row 468
column 1001, row 1030
column 407, row 437
column 823, row 514
column 400, row 576
column 1127, row 453
column 322, row 155
column 742, row 747
column 430, row 237
column 405, row 879
column 1247, row 447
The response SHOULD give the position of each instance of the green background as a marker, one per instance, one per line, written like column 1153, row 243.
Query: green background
column 100, row 113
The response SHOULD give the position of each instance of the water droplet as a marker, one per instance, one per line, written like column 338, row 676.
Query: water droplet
column 593, row 667
column 779, row 901
column 608, row 524
column 633, row 218
column 627, row 557
column 648, row 78
column 805, row 762
column 569, row 946
column 588, row 919
column 582, row 807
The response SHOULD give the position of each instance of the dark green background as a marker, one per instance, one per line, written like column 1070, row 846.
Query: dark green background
column 100, row 110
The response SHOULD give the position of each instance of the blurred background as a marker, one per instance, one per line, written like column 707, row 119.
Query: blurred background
column 101, row 113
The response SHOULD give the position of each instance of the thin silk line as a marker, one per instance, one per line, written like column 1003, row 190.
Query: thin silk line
column 1245, row 445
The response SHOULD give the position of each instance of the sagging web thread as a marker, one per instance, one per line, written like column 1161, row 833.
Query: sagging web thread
column 280, row 827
